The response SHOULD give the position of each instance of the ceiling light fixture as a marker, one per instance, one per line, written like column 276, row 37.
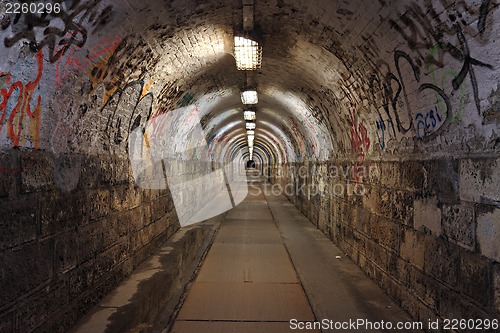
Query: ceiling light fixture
column 250, row 126
column 251, row 132
column 249, row 115
column 248, row 53
column 249, row 97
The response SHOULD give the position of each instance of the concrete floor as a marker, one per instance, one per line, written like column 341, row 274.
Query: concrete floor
column 268, row 265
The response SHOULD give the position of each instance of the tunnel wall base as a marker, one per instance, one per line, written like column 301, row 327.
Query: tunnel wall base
column 71, row 228
column 423, row 230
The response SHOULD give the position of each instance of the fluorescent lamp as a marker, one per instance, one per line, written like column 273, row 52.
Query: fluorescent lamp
column 249, row 97
column 249, row 115
column 251, row 138
column 248, row 54
column 250, row 132
column 250, row 126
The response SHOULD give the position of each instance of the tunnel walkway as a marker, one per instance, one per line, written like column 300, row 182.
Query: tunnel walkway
column 268, row 265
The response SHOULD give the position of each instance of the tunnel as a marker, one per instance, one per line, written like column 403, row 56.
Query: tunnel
column 249, row 166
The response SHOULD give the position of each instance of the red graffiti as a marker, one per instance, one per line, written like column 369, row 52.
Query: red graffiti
column 22, row 109
column 102, row 50
column 360, row 143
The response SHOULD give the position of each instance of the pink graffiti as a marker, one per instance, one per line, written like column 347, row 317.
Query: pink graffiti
column 22, row 108
column 193, row 115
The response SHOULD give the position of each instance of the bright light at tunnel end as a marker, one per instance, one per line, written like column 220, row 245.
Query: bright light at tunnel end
column 250, row 126
column 341, row 181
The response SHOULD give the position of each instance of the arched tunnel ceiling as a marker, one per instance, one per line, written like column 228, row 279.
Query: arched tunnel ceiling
column 338, row 79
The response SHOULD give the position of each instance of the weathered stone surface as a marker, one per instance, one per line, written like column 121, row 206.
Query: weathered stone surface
column 488, row 231
column 480, row 180
column 42, row 305
column 413, row 247
column 414, row 176
column 442, row 260
column 7, row 322
column 19, row 222
column 444, row 179
column 66, row 251
column 403, row 207
column 53, row 219
column 356, row 83
column 475, row 277
column 37, row 172
column 10, row 173
column 496, row 287
column 386, row 232
column 458, row 224
column 25, row 268
column 427, row 216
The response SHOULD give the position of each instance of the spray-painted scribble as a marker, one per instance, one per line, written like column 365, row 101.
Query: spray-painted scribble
column 19, row 110
column 76, row 17
column 88, row 62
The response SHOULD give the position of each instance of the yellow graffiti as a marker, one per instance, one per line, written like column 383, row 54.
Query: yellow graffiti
column 146, row 87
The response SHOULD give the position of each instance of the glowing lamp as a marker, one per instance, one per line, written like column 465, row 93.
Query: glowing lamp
column 249, row 115
column 248, row 54
column 249, row 97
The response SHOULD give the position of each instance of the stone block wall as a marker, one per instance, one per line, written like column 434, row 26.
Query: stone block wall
column 424, row 230
column 71, row 228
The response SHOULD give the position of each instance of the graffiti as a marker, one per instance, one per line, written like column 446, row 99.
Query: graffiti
column 483, row 13
column 123, row 112
column 146, row 87
column 382, row 129
column 131, row 59
column 385, row 90
column 97, row 54
column 360, row 142
column 186, row 99
column 419, row 32
column 463, row 97
column 168, row 96
column 438, row 92
column 433, row 114
column 391, row 94
column 23, row 119
column 467, row 68
column 60, row 31
column 192, row 115
column 428, row 122
column 305, row 145
column 118, row 128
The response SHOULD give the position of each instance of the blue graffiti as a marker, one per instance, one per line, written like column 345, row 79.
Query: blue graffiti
column 382, row 127
column 428, row 122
